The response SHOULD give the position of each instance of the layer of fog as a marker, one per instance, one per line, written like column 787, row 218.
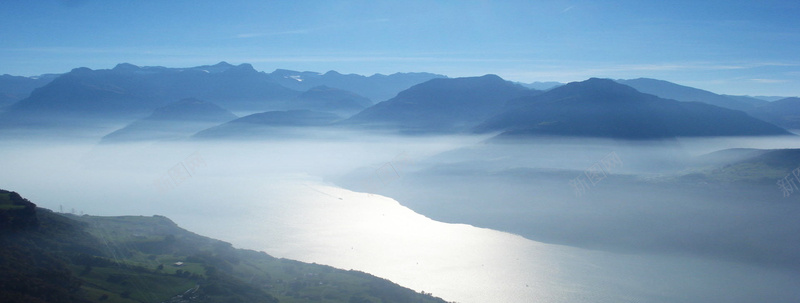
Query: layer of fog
column 257, row 194
column 543, row 189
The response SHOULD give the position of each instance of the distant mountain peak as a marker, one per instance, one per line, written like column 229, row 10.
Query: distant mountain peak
column 222, row 64
column 172, row 121
column 80, row 70
column 646, row 79
column 788, row 99
column 604, row 108
column 125, row 67
column 442, row 104
column 596, row 89
column 244, row 67
column 190, row 100
column 599, row 83
column 669, row 90
column 467, row 83
column 492, row 77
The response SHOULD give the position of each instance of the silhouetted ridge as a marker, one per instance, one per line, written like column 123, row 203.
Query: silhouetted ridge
column 272, row 123
column 173, row 121
column 288, row 118
column 604, row 108
column 128, row 91
column 15, row 88
column 125, row 67
column 191, row 109
column 669, row 90
column 784, row 112
column 442, row 105
column 376, row 87
column 324, row 98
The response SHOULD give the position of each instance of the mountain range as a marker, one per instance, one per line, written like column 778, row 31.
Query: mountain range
column 377, row 87
column 419, row 103
column 329, row 99
column 15, row 88
column 88, row 98
column 129, row 92
column 267, row 124
column 669, row 90
column 604, row 108
column 784, row 112
column 173, row 121
column 442, row 105
column 764, row 166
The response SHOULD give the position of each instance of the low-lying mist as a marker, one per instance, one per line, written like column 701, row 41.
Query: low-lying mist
column 117, row 178
column 616, row 196
column 612, row 195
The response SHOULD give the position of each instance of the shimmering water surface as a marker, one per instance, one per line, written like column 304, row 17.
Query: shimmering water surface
column 261, row 202
column 312, row 222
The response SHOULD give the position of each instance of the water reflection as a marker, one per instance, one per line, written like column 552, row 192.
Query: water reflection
column 309, row 221
column 267, row 196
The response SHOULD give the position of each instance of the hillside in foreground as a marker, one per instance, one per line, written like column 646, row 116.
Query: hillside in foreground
column 52, row 257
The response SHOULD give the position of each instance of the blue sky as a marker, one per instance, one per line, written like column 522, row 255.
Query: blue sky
column 733, row 47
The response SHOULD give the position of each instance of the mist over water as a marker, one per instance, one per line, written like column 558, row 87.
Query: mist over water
column 418, row 210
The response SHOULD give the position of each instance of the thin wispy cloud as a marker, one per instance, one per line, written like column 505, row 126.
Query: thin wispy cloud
column 280, row 33
column 303, row 31
column 770, row 81
column 669, row 67
column 66, row 49
column 566, row 71
column 677, row 67
column 573, row 71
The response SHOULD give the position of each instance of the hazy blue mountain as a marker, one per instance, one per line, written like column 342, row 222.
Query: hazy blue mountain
column 727, row 156
column 376, row 87
column 328, row 99
column 542, row 85
column 243, row 88
column 6, row 100
column 784, row 112
column 267, row 124
column 191, row 109
column 784, row 160
column 83, row 90
column 770, row 98
column 669, row 90
column 442, row 105
column 79, row 99
column 128, row 91
column 15, row 88
column 755, row 102
column 173, row 121
column 751, row 166
column 604, row 108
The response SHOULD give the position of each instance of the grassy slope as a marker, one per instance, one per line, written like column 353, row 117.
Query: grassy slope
column 132, row 259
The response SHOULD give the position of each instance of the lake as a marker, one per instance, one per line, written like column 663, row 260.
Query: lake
column 271, row 197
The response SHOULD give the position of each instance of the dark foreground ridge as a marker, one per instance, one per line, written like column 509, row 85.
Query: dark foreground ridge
column 51, row 257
